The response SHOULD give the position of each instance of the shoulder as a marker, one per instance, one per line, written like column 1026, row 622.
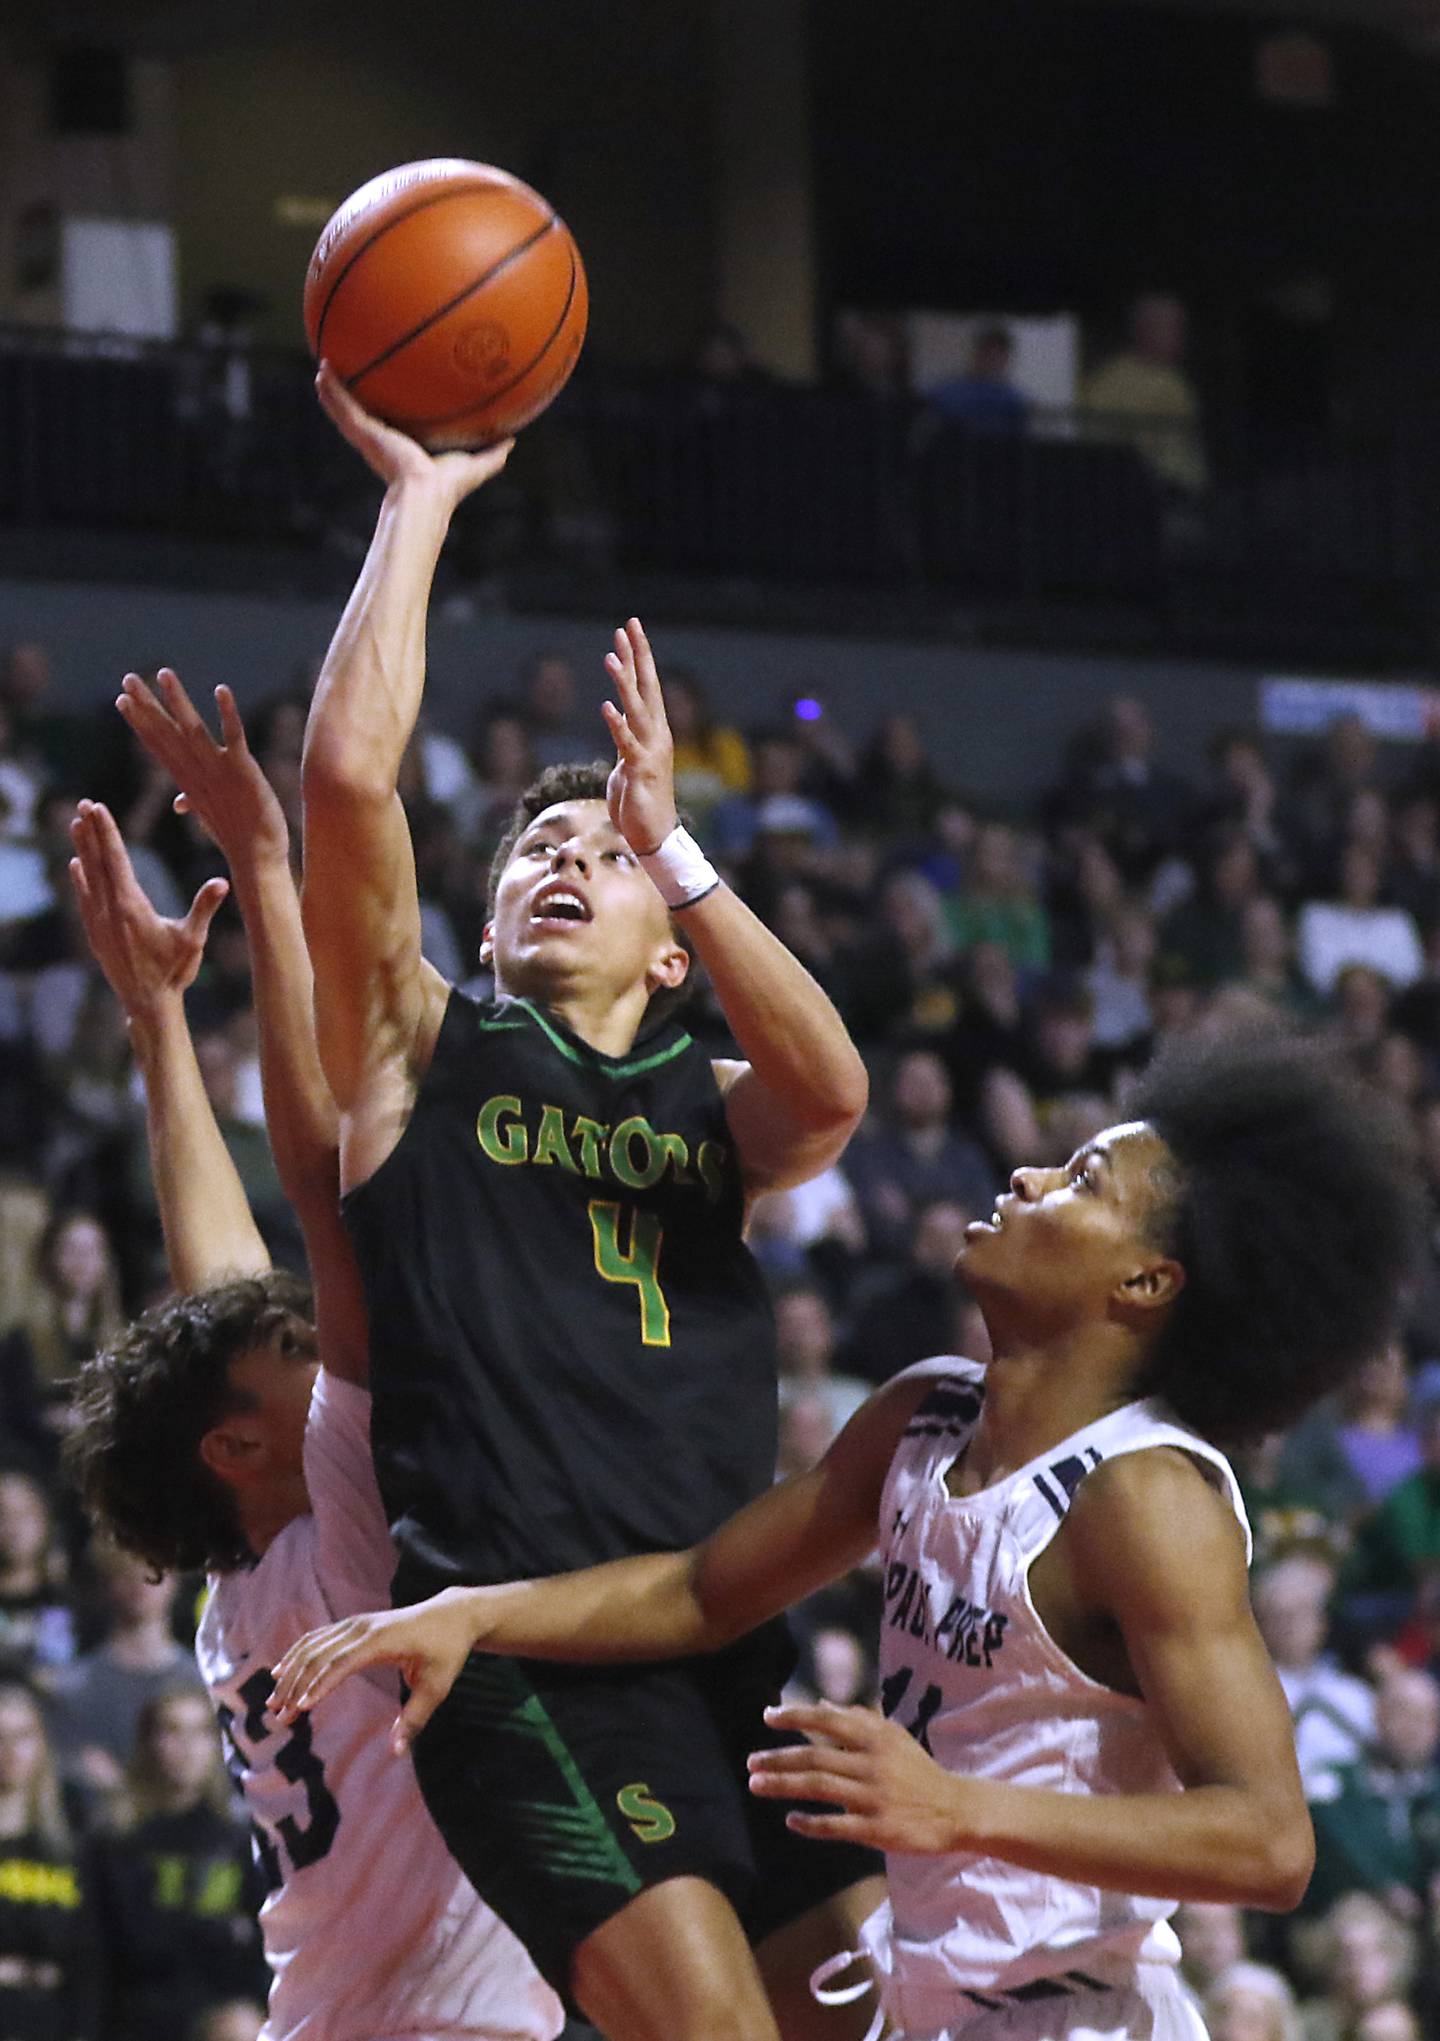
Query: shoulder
column 1148, row 1521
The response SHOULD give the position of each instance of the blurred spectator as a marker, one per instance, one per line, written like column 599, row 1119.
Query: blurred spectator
column 984, row 398
column 711, row 759
column 1115, row 787
column 1119, row 980
column 997, row 901
column 236, row 2019
column 558, row 733
column 869, row 355
column 1252, row 2002
column 1363, row 1444
column 99, row 1699
column 835, row 1667
column 50, row 743
column 504, row 764
column 50, row 1963
column 1212, row 1938
column 37, row 1630
column 1412, row 879
column 920, row 1309
column 1334, row 1715
column 914, row 1155
column 73, row 1307
column 1377, row 1819
column 805, row 1356
column 1396, row 1558
column 901, row 792
column 720, row 356
column 773, row 803
column 1355, row 929
column 812, row 1229
column 176, row 1881
column 1362, row 1957
column 1361, row 1010
column 1060, row 1081
column 1267, row 958
column 1324, row 784
column 1243, row 792
column 1391, row 2020
column 1147, row 397
column 19, row 788
column 902, row 978
column 805, row 1434
column 1207, row 930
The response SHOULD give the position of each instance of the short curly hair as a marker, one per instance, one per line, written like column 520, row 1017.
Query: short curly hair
column 1296, row 1212
column 577, row 782
column 144, row 1404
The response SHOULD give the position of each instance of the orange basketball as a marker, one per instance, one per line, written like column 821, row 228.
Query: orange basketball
column 450, row 298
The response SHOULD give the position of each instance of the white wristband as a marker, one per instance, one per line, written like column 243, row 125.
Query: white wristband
column 680, row 870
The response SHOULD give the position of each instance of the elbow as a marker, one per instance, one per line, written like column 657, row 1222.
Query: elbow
column 339, row 772
column 1285, row 1861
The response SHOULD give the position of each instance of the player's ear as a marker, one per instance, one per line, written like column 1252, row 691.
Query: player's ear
column 487, row 945
column 669, row 968
column 231, row 1451
column 1151, row 1288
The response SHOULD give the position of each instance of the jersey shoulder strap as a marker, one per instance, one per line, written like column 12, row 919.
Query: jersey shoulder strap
column 1045, row 1492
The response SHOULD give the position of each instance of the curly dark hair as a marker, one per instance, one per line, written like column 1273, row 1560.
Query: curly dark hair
column 578, row 782
column 144, row 1404
column 1296, row 1212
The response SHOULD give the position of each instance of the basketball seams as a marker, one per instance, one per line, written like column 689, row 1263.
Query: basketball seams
column 417, row 425
column 443, row 311
column 433, row 198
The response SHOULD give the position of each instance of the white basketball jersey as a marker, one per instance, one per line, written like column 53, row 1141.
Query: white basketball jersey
column 370, row 1929
column 968, row 1668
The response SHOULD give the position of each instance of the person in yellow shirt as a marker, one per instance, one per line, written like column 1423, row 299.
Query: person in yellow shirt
column 1144, row 395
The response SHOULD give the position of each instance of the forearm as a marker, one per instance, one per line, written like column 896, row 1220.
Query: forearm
column 1209, row 1843
column 299, row 1110
column 627, row 1610
column 209, row 1231
column 367, row 699
column 786, row 1027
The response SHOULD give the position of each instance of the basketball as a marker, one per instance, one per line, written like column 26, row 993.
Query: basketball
column 450, row 299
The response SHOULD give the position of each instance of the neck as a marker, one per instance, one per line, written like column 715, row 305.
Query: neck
column 1041, row 1390
column 170, row 1799
column 14, row 1811
column 594, row 1013
column 263, row 1516
column 145, row 1646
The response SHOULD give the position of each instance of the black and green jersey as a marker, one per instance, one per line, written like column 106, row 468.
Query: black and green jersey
column 572, row 1352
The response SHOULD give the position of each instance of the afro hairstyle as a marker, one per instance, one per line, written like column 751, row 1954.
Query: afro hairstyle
column 1296, row 1213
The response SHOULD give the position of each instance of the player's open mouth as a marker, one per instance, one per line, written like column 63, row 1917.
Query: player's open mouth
column 990, row 1225
column 559, row 904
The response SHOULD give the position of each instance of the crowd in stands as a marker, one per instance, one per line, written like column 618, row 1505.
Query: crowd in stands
column 1007, row 974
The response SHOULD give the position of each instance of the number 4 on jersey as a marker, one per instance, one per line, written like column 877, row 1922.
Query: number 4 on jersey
column 639, row 1263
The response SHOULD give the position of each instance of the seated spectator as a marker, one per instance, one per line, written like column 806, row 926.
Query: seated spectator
column 37, row 1629
column 49, row 742
column 50, row 1958
column 988, row 1031
column 1116, row 788
column 557, row 730
column 175, row 1880
column 1145, row 396
column 900, row 792
column 812, row 1229
column 503, row 765
column 1363, row 1444
column 1391, row 2020
column 1207, row 930
column 1243, row 792
column 902, row 979
column 73, row 1308
column 997, row 902
column 1377, row 1819
column 99, row 1699
column 719, row 357
column 1119, row 980
column 1362, row 1957
column 19, row 787
column 1355, row 929
column 1285, row 1515
column 711, row 759
column 1267, row 958
column 1252, row 2002
column 1396, row 1557
column 1059, row 1064
column 835, row 1667
column 1326, row 779
column 1334, row 1714
column 805, row 1355
column 1212, row 1938
column 805, row 1435
column 1361, row 1016
column 984, row 398
column 1412, row 877
column 917, row 1310
column 774, row 801
column 913, row 1155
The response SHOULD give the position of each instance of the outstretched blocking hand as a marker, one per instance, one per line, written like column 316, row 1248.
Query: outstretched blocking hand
column 220, row 784
column 429, row 1643
column 145, row 957
column 640, row 793
column 887, row 1792
column 395, row 456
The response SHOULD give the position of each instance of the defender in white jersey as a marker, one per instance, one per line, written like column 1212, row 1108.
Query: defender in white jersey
column 210, row 1436
column 1080, row 1723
